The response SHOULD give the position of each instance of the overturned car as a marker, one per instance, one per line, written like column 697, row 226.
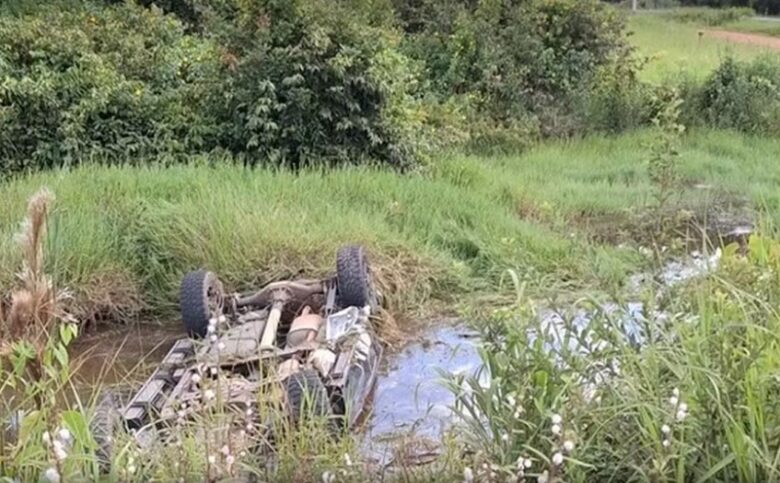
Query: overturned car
column 313, row 338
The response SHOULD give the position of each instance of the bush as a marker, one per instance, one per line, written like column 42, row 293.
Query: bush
column 290, row 83
column 743, row 96
column 518, row 60
column 312, row 83
column 616, row 99
column 116, row 84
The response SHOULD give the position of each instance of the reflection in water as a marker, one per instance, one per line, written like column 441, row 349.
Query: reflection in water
column 409, row 400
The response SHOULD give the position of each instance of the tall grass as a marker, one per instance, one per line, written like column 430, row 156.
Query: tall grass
column 121, row 238
column 581, row 401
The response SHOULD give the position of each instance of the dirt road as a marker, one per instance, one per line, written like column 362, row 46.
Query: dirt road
column 743, row 38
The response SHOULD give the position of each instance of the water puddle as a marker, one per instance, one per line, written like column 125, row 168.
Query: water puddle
column 122, row 355
column 411, row 409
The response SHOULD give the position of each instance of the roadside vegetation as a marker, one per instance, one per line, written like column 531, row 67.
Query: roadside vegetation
column 490, row 155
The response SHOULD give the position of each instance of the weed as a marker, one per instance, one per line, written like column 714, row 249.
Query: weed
column 663, row 169
column 682, row 392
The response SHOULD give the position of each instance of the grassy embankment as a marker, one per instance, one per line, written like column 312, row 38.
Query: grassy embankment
column 122, row 238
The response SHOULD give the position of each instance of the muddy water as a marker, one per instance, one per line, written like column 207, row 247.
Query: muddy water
column 123, row 355
column 409, row 407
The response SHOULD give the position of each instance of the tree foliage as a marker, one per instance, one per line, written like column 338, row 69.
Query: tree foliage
column 291, row 83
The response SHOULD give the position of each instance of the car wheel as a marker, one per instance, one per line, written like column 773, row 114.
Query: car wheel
column 201, row 299
column 354, row 279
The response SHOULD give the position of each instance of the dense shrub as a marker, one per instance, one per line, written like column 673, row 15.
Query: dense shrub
column 285, row 82
column 291, row 82
column 742, row 95
column 516, row 58
column 616, row 99
column 115, row 84
column 311, row 82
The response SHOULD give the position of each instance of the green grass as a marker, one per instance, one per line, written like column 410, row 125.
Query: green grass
column 755, row 26
column 676, row 48
column 123, row 237
column 696, row 403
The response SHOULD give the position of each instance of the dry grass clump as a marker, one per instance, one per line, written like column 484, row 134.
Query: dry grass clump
column 35, row 306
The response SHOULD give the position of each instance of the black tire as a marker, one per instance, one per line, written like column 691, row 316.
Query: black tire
column 103, row 426
column 355, row 282
column 307, row 397
column 201, row 299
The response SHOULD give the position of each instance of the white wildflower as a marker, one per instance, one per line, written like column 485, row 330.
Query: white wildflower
column 212, row 459
column 666, row 443
column 52, row 475
column 505, row 437
column 568, row 446
column 249, row 412
column 221, row 346
column 59, row 450
column 557, row 419
column 242, row 454
column 527, row 463
column 676, row 392
column 131, row 469
column 347, row 460
column 556, row 430
column 674, row 400
column 543, row 478
column 225, row 450
column 557, row 459
column 46, row 439
column 681, row 416
column 65, row 436
column 230, row 459
column 209, row 394
column 683, row 407
column 213, row 338
column 511, row 400
column 328, row 477
column 196, row 378
column 468, row 475
column 666, row 429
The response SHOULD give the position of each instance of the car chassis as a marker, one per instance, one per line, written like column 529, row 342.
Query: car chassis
column 314, row 337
